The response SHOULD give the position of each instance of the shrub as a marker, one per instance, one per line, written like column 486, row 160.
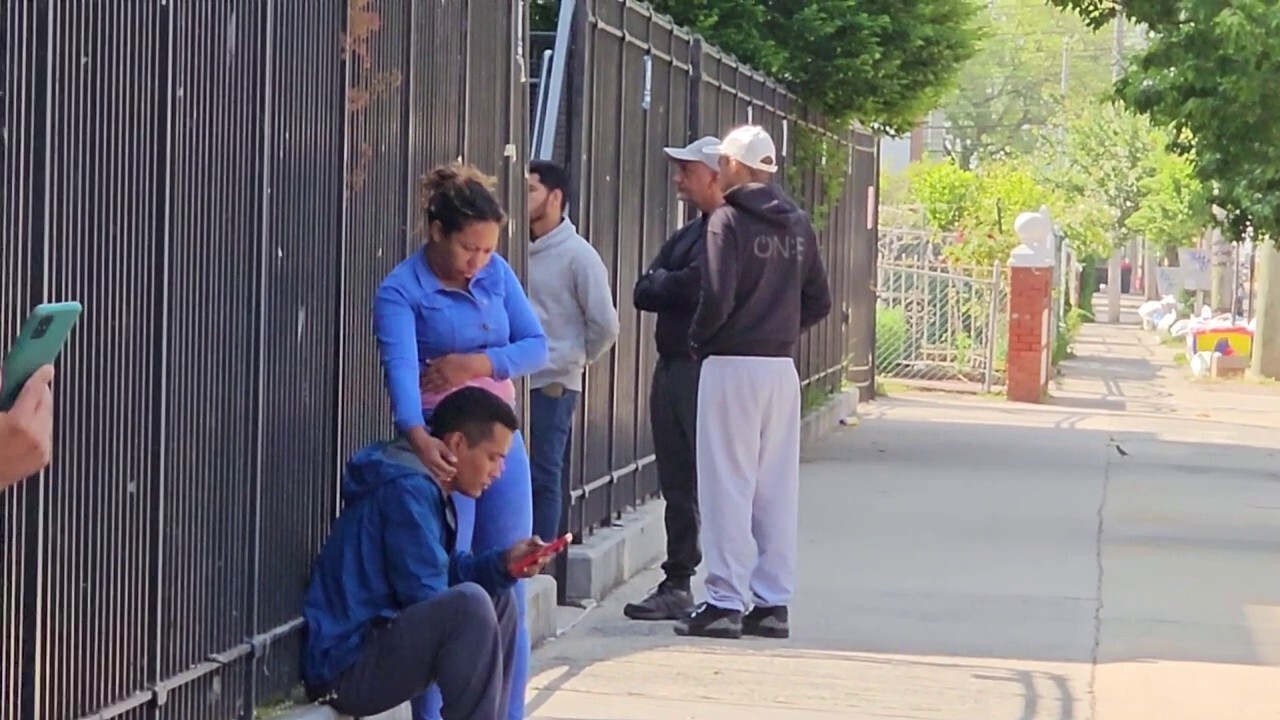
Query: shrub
column 1068, row 330
column 892, row 334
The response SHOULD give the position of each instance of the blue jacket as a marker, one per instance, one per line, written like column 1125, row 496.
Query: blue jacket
column 417, row 319
column 392, row 546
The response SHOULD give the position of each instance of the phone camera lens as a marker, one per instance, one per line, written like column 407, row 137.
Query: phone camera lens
column 42, row 327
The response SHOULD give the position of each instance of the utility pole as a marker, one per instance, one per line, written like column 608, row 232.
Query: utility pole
column 1114, row 267
column 1266, row 341
column 1062, row 119
column 1222, row 291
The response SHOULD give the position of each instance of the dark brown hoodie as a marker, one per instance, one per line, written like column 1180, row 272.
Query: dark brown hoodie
column 763, row 280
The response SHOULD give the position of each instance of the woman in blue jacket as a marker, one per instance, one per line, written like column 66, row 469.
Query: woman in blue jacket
column 453, row 315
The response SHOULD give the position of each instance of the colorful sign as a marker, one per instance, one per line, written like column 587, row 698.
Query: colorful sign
column 1227, row 341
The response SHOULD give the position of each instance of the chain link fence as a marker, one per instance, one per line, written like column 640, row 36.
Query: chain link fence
column 941, row 324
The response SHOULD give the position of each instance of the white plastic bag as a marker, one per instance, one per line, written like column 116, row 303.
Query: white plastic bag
column 1200, row 363
column 1150, row 309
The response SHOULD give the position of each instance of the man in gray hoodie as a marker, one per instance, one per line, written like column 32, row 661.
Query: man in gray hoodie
column 569, row 289
column 763, row 285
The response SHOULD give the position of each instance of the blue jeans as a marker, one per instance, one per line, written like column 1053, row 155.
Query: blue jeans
column 550, row 428
column 502, row 515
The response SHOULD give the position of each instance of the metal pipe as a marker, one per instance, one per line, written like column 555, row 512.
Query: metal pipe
column 545, row 145
column 993, row 328
column 540, row 109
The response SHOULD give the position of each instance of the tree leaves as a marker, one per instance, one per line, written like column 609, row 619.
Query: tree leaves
column 885, row 63
column 1112, row 179
column 1012, row 90
column 1208, row 76
column 1174, row 208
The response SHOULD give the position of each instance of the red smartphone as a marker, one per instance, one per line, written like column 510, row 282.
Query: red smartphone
column 556, row 546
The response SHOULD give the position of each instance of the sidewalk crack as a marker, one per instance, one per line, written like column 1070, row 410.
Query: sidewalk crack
column 1097, row 609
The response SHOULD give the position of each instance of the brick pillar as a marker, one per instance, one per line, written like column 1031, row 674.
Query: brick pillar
column 1030, row 295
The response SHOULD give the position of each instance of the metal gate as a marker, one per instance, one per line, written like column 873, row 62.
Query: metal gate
column 938, row 323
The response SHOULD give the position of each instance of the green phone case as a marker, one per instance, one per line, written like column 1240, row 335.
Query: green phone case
column 43, row 335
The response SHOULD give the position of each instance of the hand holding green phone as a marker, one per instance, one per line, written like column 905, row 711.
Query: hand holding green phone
column 26, row 398
column 26, row 429
column 42, row 338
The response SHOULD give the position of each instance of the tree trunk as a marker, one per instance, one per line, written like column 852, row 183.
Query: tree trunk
column 1221, row 253
column 1151, row 273
column 1113, row 286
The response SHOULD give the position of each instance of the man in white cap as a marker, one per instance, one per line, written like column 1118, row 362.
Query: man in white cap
column 670, row 289
column 763, row 284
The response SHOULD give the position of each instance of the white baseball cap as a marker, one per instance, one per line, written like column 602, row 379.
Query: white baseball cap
column 696, row 151
column 749, row 145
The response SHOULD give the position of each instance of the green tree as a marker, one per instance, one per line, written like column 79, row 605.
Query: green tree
column 1208, row 74
column 882, row 62
column 1005, row 189
column 1106, row 159
column 946, row 191
column 979, row 206
column 1012, row 90
column 1174, row 208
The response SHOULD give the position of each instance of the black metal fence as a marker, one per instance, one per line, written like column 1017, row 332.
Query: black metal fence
column 179, row 168
column 223, row 185
column 638, row 83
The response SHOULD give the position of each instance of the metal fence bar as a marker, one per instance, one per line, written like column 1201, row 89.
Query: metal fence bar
column 207, row 397
column 940, row 323
column 224, row 190
column 993, row 312
column 624, row 57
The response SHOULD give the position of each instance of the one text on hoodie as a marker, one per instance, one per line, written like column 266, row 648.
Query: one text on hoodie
column 763, row 279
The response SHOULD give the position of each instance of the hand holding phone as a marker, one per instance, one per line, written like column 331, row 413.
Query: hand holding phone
column 43, row 335
column 26, row 429
column 26, row 400
column 527, row 557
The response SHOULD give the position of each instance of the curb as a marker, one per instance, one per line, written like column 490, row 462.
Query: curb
column 613, row 555
column 819, row 423
column 540, row 609
column 608, row 558
column 318, row 712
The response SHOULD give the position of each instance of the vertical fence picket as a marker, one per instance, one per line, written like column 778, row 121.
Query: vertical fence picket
column 224, row 185
column 622, row 208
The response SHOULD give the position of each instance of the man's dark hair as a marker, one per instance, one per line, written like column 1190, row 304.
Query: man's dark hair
column 552, row 177
column 473, row 412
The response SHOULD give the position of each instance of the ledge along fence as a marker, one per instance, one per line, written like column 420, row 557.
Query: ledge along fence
column 637, row 83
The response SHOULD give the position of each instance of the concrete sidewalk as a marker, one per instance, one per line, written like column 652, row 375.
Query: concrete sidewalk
column 1111, row 556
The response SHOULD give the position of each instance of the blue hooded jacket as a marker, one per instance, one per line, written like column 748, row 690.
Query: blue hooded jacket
column 391, row 547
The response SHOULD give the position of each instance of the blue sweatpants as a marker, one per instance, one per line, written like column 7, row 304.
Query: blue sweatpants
column 503, row 515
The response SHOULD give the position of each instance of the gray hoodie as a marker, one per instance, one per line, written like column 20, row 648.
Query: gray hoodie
column 569, row 289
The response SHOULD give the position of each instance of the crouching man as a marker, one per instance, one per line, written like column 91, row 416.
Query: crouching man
column 391, row 607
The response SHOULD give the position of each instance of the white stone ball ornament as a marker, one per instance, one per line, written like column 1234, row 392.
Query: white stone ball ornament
column 1035, row 231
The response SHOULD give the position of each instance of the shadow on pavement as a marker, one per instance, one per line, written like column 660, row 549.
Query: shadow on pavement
column 991, row 545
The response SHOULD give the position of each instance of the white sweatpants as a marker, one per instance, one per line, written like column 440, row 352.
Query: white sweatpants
column 749, row 479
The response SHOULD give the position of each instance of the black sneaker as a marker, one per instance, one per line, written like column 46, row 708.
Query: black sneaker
column 667, row 602
column 711, row 621
column 770, row 622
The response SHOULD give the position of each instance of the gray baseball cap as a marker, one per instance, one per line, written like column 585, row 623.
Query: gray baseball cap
column 696, row 151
